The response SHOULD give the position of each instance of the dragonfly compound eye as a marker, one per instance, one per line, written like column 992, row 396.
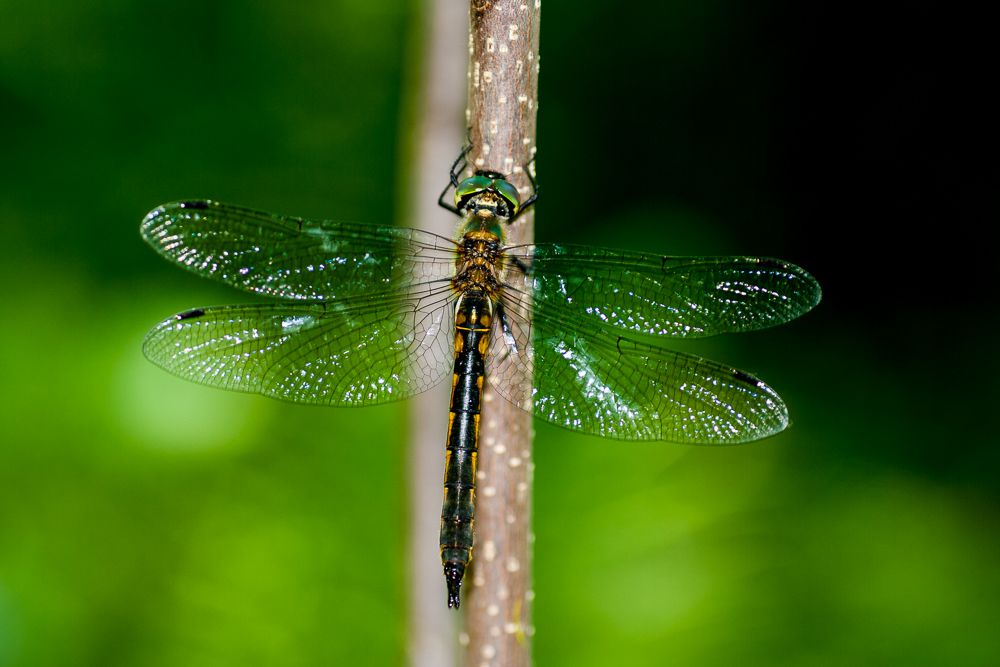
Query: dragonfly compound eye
column 506, row 189
column 471, row 187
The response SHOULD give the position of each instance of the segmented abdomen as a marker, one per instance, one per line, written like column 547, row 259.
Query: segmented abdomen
column 473, row 317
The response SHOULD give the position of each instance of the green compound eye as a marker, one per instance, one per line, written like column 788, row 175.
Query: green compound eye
column 471, row 186
column 506, row 190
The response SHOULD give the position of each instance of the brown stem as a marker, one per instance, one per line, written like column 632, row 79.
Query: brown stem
column 503, row 90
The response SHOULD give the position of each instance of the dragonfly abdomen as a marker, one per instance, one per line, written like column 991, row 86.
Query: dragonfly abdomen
column 473, row 319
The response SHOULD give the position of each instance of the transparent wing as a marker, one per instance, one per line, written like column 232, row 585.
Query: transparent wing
column 646, row 294
column 294, row 258
column 596, row 381
column 580, row 347
column 344, row 353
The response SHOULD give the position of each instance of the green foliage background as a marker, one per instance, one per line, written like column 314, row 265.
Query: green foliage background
column 148, row 521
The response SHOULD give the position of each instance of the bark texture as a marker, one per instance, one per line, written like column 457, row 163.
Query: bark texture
column 503, row 89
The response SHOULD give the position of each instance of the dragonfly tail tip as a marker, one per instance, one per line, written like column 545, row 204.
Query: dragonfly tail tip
column 453, row 573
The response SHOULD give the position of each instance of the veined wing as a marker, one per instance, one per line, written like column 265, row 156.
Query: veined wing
column 579, row 348
column 603, row 384
column 294, row 258
column 343, row 353
column 645, row 294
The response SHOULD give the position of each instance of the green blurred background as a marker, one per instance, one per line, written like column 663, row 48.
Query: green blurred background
column 148, row 521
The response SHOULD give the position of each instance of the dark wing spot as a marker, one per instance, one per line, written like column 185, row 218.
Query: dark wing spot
column 189, row 314
column 746, row 378
column 202, row 205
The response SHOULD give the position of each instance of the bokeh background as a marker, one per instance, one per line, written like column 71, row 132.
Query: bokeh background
column 148, row 521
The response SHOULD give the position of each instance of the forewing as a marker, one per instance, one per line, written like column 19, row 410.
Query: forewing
column 364, row 352
column 294, row 258
column 685, row 297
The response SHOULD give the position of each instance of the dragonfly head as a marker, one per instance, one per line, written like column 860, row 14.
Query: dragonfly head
column 487, row 195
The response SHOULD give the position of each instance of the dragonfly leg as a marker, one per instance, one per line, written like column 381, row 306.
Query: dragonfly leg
column 457, row 167
column 508, row 334
column 528, row 168
column 443, row 203
column 522, row 267
column 460, row 160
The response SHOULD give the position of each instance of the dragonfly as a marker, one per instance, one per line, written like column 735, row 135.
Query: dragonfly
column 364, row 314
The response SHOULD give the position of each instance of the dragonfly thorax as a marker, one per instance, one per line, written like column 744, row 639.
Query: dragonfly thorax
column 478, row 264
column 479, row 247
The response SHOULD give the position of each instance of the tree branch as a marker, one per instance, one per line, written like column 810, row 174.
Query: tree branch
column 503, row 90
